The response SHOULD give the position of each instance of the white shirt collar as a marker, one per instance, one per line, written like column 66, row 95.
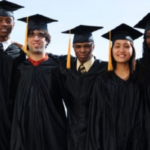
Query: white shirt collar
column 88, row 64
column 6, row 44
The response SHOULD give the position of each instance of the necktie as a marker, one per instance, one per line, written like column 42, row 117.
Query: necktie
column 1, row 47
column 82, row 69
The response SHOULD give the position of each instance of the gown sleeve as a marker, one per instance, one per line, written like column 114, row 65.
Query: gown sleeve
column 95, row 117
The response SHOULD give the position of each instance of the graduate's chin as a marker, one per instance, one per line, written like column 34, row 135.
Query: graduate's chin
column 36, row 52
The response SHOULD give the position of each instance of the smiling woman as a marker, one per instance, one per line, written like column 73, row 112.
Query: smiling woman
column 122, row 51
column 123, row 58
column 115, row 115
column 123, row 54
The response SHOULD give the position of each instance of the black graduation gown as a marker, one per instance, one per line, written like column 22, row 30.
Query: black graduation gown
column 39, row 121
column 9, row 59
column 115, row 114
column 78, row 90
column 145, row 140
column 143, row 71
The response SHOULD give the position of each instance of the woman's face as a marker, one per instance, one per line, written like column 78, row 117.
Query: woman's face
column 122, row 51
column 148, row 38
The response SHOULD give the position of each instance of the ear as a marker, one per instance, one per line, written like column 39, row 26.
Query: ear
column 13, row 24
column 93, row 46
column 46, row 42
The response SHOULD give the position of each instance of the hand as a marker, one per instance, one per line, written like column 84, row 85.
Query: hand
column 18, row 45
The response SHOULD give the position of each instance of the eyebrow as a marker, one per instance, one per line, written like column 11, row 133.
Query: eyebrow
column 116, row 43
column 35, row 33
column 120, row 43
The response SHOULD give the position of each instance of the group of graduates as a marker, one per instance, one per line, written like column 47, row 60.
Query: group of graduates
column 51, row 102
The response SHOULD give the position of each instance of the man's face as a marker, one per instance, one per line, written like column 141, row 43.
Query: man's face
column 36, row 41
column 6, row 26
column 83, row 51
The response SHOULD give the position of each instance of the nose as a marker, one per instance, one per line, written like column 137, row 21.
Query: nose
column 82, row 50
column 122, row 49
column 36, row 37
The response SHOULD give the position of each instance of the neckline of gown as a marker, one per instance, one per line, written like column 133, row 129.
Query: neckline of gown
column 124, row 81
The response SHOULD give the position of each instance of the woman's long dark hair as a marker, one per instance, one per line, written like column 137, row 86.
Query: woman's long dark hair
column 131, row 61
column 144, row 65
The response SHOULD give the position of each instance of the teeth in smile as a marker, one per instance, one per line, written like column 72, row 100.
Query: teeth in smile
column 121, row 56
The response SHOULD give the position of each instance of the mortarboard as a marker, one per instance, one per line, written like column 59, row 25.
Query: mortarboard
column 144, row 23
column 121, row 32
column 83, row 33
column 7, row 8
column 38, row 22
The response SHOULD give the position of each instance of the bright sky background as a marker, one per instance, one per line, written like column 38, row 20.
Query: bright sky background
column 106, row 13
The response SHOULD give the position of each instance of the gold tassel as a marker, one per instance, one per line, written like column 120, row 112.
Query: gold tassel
column 110, row 66
column 69, row 52
column 26, row 35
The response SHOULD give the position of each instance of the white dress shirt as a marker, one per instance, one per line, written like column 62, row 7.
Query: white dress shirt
column 6, row 44
column 88, row 64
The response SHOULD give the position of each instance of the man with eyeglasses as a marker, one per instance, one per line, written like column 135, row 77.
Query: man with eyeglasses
column 39, row 121
column 78, row 82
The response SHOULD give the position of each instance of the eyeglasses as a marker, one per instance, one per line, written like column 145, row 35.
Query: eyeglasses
column 39, row 35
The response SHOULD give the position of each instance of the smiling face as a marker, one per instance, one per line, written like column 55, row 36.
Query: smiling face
column 122, row 51
column 37, row 41
column 83, row 51
column 6, row 26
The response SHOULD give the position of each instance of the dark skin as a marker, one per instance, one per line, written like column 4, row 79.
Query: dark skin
column 83, row 51
column 148, row 38
column 6, row 26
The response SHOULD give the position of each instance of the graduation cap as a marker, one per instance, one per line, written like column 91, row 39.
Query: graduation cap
column 7, row 8
column 144, row 23
column 121, row 32
column 37, row 22
column 82, row 33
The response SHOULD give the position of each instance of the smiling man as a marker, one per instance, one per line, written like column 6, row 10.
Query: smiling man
column 10, row 57
column 39, row 121
column 78, row 83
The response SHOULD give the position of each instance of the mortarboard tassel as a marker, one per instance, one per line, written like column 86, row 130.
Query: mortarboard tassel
column 69, row 51
column 26, row 35
column 110, row 67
